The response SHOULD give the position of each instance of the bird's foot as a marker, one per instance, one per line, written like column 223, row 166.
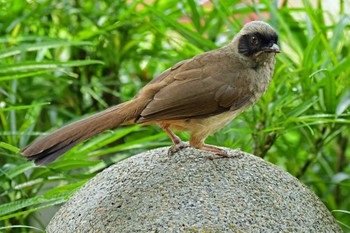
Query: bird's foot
column 220, row 153
column 178, row 146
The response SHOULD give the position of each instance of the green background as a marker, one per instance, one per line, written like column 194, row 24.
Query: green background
column 62, row 60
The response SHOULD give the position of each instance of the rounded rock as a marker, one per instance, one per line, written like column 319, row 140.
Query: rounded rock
column 192, row 191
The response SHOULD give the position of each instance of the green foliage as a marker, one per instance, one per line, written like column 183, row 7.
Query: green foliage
column 60, row 60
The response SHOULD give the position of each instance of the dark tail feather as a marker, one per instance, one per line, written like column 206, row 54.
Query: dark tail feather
column 47, row 157
column 48, row 148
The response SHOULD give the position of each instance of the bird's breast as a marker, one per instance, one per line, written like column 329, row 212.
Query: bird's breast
column 261, row 80
column 203, row 126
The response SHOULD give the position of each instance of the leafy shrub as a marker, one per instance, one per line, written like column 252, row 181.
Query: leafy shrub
column 64, row 59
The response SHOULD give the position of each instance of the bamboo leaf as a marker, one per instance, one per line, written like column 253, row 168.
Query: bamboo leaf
column 342, row 66
column 43, row 45
column 64, row 189
column 25, row 75
column 13, row 171
column 63, row 165
column 344, row 102
column 27, row 66
column 21, row 227
column 9, row 147
column 20, row 204
column 193, row 37
column 23, row 107
column 107, row 139
column 301, row 108
column 6, row 210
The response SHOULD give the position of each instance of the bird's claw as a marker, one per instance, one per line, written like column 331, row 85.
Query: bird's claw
column 178, row 146
column 221, row 154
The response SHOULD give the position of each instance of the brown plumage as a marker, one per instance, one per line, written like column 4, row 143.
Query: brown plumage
column 199, row 95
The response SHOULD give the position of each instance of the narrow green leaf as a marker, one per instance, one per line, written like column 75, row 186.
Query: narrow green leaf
column 330, row 95
column 22, row 107
column 64, row 189
column 9, row 147
column 25, row 38
column 140, row 143
column 66, row 165
column 43, row 45
column 193, row 37
column 15, row 170
column 338, row 31
column 36, row 201
column 21, row 227
column 301, row 108
column 309, row 54
column 30, row 183
column 195, row 14
column 108, row 138
column 344, row 102
column 24, row 75
column 27, row 66
column 341, row 211
column 342, row 66
column 19, row 204
column 340, row 177
column 226, row 13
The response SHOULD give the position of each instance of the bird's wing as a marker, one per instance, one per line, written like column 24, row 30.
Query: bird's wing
column 203, row 86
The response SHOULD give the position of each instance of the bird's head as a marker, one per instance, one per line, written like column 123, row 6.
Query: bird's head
column 258, row 41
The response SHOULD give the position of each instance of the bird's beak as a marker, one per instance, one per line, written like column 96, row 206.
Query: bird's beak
column 273, row 49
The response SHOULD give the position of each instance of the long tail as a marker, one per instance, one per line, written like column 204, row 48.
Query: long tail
column 47, row 149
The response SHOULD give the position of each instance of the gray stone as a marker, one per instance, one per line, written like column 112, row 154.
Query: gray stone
column 190, row 191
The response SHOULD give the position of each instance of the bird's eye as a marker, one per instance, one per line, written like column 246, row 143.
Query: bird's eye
column 254, row 40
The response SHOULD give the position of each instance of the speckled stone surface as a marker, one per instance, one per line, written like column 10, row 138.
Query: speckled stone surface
column 189, row 192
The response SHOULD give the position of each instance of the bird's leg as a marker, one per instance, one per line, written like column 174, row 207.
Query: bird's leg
column 178, row 143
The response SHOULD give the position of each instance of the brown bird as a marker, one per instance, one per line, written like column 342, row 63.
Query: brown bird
column 199, row 95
